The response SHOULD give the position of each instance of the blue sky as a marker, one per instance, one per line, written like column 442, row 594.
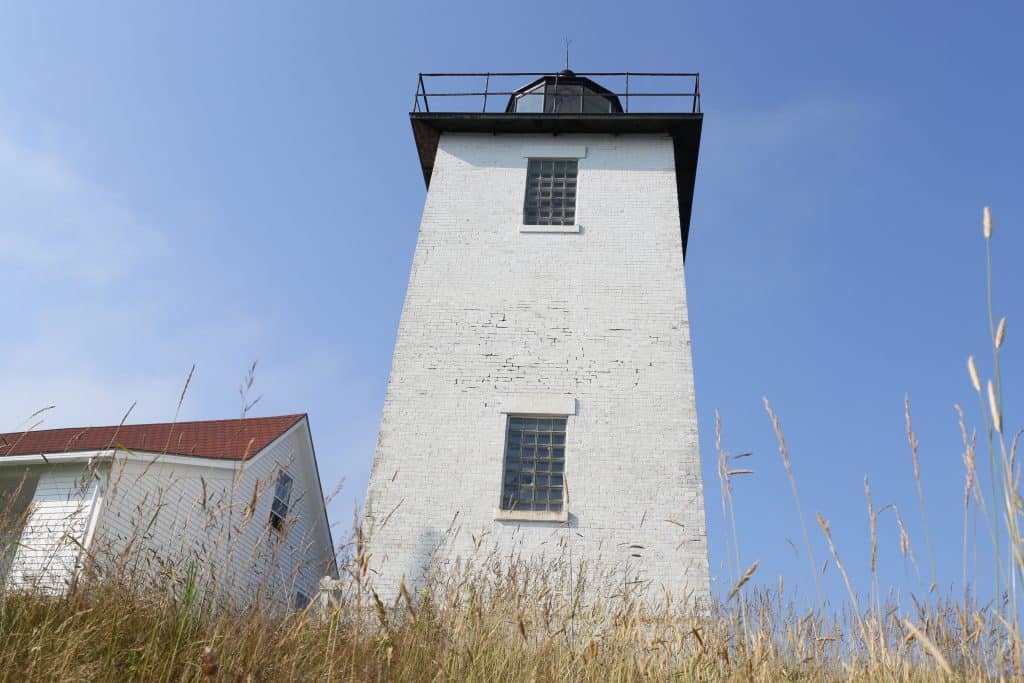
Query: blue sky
column 216, row 185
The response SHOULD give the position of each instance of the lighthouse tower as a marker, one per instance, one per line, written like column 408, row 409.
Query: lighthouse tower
column 541, row 404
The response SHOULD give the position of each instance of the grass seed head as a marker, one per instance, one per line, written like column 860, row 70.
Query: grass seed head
column 993, row 405
column 972, row 370
column 743, row 580
column 986, row 222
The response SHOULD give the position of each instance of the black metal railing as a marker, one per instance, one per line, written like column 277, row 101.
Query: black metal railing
column 638, row 92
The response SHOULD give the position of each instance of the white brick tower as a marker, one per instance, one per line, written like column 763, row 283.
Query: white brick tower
column 541, row 400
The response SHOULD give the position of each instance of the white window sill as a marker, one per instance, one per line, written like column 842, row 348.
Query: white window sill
column 531, row 516
column 550, row 228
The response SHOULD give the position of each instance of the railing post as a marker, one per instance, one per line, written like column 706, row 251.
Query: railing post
column 627, row 92
column 426, row 102
column 487, row 85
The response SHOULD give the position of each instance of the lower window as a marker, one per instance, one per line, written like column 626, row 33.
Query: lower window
column 534, row 473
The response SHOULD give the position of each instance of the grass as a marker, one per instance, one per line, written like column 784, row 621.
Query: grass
column 513, row 622
column 489, row 633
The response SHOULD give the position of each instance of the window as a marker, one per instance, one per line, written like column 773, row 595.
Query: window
column 553, row 97
column 17, row 489
column 282, row 498
column 550, row 192
column 534, row 478
column 301, row 600
column 531, row 101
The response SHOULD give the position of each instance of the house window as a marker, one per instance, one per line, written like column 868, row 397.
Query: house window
column 17, row 489
column 534, row 477
column 301, row 600
column 550, row 192
column 282, row 498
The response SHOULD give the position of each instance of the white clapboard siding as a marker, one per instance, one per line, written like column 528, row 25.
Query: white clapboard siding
column 295, row 561
column 181, row 517
column 50, row 546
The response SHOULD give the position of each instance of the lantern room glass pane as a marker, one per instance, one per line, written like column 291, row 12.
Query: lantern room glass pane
column 564, row 99
column 531, row 101
column 596, row 103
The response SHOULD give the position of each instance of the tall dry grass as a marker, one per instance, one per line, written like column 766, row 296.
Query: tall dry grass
column 489, row 630
column 514, row 621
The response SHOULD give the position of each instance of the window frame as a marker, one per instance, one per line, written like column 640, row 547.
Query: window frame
column 538, row 224
column 278, row 516
column 550, row 435
column 541, row 406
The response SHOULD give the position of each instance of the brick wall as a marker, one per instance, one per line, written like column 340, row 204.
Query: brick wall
column 492, row 315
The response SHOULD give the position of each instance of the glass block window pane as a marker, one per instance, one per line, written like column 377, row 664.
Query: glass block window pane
column 550, row 192
column 534, row 477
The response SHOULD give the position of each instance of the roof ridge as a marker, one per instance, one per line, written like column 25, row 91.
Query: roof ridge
column 238, row 438
column 157, row 424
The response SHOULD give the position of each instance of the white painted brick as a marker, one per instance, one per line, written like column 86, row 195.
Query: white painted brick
column 492, row 313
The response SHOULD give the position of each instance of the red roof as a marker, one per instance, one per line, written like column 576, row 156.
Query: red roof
column 236, row 439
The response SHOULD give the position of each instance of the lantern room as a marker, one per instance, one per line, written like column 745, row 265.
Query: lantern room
column 563, row 93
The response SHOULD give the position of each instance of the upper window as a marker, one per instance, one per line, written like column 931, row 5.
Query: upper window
column 282, row 499
column 550, row 192
column 534, row 478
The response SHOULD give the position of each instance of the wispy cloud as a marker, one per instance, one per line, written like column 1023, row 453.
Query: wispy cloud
column 55, row 223
column 99, row 318
column 85, row 330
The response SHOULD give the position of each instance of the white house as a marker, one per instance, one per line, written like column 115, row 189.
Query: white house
column 541, row 400
column 236, row 504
